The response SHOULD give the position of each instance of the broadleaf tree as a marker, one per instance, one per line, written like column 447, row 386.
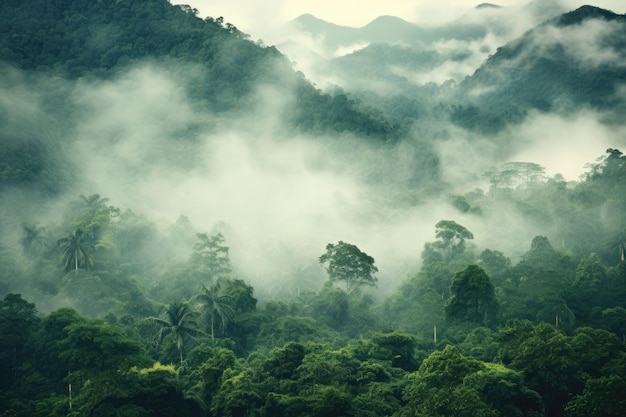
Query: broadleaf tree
column 347, row 263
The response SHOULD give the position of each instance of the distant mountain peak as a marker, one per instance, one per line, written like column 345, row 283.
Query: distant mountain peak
column 310, row 21
column 386, row 19
column 487, row 6
column 583, row 13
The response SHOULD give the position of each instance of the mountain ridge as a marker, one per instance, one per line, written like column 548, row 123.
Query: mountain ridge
column 544, row 72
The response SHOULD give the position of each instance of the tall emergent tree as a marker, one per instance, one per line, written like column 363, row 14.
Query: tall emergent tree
column 210, row 256
column 77, row 250
column 33, row 239
column 472, row 297
column 180, row 322
column 94, row 201
column 217, row 305
column 452, row 237
column 345, row 262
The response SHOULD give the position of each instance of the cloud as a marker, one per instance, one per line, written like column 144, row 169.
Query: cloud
column 592, row 44
column 141, row 141
column 283, row 197
column 565, row 144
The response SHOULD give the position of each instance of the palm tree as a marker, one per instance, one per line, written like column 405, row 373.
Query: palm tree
column 77, row 250
column 218, row 306
column 33, row 240
column 94, row 201
column 180, row 321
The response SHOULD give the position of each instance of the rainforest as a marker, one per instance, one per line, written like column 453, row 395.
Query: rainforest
column 195, row 223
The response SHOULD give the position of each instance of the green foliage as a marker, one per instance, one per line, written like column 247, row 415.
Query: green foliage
column 601, row 397
column 348, row 264
column 325, row 353
column 397, row 347
column 180, row 322
column 547, row 358
column 151, row 391
column 472, row 298
column 77, row 250
column 210, row 256
column 18, row 320
column 92, row 347
column 217, row 306
column 447, row 383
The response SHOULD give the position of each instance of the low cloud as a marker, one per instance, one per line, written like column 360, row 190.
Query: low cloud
column 592, row 44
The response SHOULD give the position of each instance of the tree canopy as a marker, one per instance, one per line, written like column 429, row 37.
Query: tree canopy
column 345, row 262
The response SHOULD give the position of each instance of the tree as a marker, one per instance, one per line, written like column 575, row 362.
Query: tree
column 180, row 322
column 94, row 201
column 451, row 237
column 210, row 256
column 18, row 320
column 398, row 347
column 450, row 244
column 602, row 397
column 472, row 297
column 450, row 384
column 348, row 264
column 437, row 388
column 546, row 357
column 93, row 347
column 77, row 250
column 238, row 395
column 140, row 391
column 218, row 306
column 33, row 239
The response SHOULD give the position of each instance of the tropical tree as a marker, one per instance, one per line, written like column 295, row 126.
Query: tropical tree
column 451, row 241
column 33, row 239
column 180, row 322
column 94, row 201
column 18, row 320
column 217, row 305
column 450, row 384
column 210, row 256
column 345, row 262
column 472, row 297
column 77, row 250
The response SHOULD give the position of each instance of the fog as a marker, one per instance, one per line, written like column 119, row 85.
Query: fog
column 280, row 199
column 261, row 20
column 141, row 141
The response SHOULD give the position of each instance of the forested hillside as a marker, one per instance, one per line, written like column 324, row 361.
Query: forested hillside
column 219, row 67
column 189, row 227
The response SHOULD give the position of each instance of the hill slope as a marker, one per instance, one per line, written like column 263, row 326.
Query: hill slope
column 569, row 62
column 74, row 41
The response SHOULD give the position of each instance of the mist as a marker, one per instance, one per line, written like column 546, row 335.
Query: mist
column 280, row 199
column 142, row 141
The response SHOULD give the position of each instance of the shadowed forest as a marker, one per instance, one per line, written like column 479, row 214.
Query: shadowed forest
column 189, row 226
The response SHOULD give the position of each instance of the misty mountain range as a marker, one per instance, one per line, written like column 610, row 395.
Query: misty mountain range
column 571, row 60
column 164, row 97
column 474, row 24
column 168, row 187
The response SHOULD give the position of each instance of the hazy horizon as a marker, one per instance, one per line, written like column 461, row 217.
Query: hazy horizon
column 263, row 20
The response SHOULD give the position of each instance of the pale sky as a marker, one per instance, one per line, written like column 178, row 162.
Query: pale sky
column 258, row 18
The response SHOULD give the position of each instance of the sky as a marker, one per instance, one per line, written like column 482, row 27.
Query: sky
column 260, row 18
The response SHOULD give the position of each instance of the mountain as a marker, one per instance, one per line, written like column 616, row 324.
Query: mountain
column 475, row 23
column 72, row 42
column 382, row 29
column 569, row 62
column 101, row 39
column 390, row 53
column 487, row 6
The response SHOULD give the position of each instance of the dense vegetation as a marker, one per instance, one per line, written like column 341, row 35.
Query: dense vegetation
column 77, row 41
column 106, row 311
column 469, row 332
